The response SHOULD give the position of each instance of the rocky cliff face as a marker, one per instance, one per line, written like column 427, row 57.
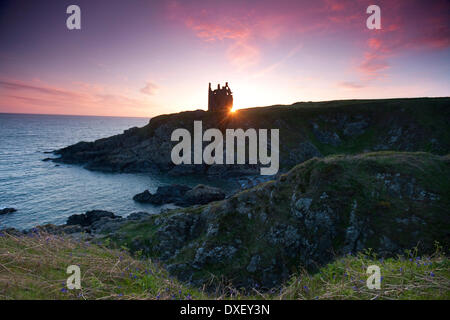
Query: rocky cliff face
column 306, row 130
column 320, row 209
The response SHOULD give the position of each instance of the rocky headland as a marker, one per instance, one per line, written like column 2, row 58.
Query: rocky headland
column 307, row 130
column 321, row 209
column 355, row 175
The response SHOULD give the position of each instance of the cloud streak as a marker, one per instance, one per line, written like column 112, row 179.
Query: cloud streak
column 351, row 85
column 21, row 86
column 150, row 89
column 82, row 99
column 407, row 26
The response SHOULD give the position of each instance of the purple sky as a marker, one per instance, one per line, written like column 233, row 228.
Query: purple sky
column 144, row 58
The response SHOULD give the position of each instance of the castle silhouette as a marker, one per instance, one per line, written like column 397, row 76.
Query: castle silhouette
column 220, row 99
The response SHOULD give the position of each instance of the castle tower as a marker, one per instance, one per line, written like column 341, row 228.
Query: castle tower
column 209, row 97
column 221, row 99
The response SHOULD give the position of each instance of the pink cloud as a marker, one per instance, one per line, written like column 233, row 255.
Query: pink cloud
column 247, row 29
column 373, row 65
column 212, row 27
column 335, row 5
column 407, row 26
column 22, row 86
column 374, row 43
column 242, row 54
column 149, row 89
column 215, row 31
column 38, row 97
column 375, row 60
column 351, row 85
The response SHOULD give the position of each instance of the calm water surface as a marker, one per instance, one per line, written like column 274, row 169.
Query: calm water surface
column 44, row 192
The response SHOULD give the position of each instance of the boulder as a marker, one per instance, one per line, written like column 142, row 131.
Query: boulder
column 144, row 197
column 106, row 225
column 202, row 194
column 181, row 195
column 138, row 215
column 7, row 210
column 88, row 218
column 56, row 229
column 164, row 194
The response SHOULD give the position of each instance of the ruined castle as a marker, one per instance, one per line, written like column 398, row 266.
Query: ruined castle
column 220, row 99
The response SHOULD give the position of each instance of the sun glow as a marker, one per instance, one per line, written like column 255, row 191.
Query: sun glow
column 249, row 96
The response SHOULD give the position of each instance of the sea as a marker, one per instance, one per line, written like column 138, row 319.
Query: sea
column 47, row 192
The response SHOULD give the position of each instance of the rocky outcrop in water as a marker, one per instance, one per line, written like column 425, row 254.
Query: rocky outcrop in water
column 90, row 217
column 7, row 210
column 85, row 226
column 181, row 195
column 164, row 194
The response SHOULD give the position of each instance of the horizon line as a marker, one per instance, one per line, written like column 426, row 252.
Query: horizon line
column 149, row 117
column 71, row 115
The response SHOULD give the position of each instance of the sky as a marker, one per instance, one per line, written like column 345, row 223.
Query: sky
column 145, row 58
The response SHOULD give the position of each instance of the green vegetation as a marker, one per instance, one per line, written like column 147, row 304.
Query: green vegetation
column 405, row 277
column 416, row 121
column 34, row 267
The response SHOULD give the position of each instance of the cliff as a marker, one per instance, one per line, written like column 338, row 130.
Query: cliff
column 320, row 210
column 307, row 129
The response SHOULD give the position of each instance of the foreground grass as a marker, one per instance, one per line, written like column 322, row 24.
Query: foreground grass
column 402, row 278
column 34, row 267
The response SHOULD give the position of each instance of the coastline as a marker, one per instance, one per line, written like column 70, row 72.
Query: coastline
column 342, row 189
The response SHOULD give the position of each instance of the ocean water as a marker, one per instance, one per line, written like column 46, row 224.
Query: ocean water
column 45, row 192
